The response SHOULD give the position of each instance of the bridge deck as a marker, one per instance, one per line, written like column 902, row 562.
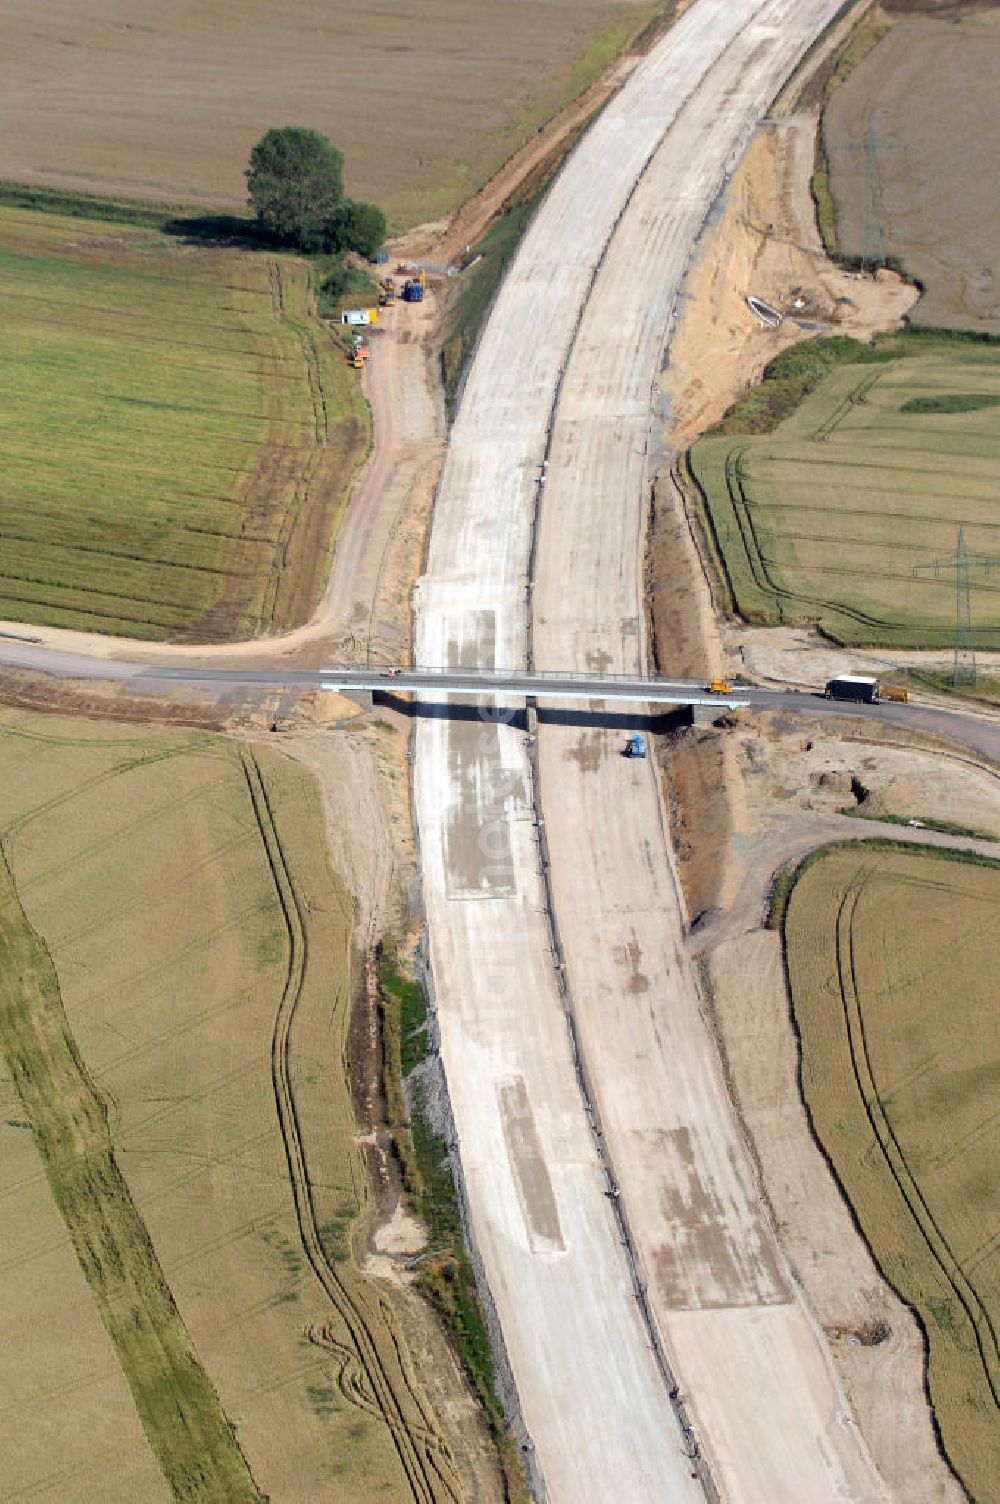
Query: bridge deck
column 494, row 684
column 519, row 684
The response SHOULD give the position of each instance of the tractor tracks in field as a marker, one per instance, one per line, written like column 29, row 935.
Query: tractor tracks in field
column 301, row 485
column 366, row 1376
column 982, row 1325
column 737, row 487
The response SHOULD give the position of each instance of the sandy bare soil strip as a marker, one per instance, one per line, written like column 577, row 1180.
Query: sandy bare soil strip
column 763, row 240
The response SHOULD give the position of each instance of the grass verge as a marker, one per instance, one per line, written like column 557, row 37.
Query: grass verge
column 488, row 259
column 790, row 377
column 477, row 287
column 888, row 959
column 445, row 1274
column 182, row 1417
column 985, row 689
column 342, row 286
column 93, row 206
column 927, row 822
column 841, row 62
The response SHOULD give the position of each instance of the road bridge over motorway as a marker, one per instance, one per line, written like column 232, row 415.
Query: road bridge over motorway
column 476, row 683
column 501, row 684
column 435, row 684
column 977, row 730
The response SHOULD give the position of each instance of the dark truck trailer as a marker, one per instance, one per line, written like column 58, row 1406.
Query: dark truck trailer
column 853, row 687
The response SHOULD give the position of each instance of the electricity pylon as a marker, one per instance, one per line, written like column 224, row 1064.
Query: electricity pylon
column 873, row 235
column 963, row 563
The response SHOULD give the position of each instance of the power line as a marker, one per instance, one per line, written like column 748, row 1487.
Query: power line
column 873, row 234
column 963, row 563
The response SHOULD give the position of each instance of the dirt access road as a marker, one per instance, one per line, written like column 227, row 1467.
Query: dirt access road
column 559, row 398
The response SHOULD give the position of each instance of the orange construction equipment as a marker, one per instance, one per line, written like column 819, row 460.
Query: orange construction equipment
column 719, row 687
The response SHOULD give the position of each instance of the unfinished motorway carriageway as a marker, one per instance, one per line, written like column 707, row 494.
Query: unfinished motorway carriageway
column 612, row 1203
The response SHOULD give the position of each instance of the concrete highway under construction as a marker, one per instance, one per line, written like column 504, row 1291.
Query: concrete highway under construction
column 660, row 1347
column 659, row 1344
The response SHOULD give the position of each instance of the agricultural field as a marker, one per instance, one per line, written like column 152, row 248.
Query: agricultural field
column 847, row 468
column 183, row 1316
column 928, row 90
column 890, row 965
column 178, row 433
column 425, row 102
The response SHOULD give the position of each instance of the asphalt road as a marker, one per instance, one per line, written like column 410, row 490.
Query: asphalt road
column 443, row 691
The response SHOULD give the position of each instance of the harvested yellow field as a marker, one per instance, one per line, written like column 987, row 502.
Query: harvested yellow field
column 890, row 963
column 67, row 1419
column 165, row 101
column 173, row 1011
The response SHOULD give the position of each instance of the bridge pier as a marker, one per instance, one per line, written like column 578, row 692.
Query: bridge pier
column 363, row 697
column 704, row 715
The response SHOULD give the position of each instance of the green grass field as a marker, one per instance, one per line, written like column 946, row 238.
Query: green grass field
column 847, row 467
column 890, row 965
column 177, row 433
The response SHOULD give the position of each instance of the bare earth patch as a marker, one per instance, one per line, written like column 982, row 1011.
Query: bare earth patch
column 764, row 242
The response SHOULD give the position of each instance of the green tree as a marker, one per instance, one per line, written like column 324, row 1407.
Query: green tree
column 295, row 182
column 358, row 227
